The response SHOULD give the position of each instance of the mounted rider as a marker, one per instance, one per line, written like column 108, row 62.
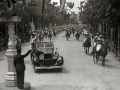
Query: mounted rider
column 85, row 39
column 77, row 35
column 97, row 40
column 101, row 39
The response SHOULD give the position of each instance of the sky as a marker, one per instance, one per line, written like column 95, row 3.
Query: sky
column 76, row 4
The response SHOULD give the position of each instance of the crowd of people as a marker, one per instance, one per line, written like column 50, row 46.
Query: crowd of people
column 46, row 33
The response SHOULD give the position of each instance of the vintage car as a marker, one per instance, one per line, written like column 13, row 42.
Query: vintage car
column 48, row 59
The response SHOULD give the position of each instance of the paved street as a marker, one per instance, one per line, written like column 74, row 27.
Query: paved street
column 79, row 73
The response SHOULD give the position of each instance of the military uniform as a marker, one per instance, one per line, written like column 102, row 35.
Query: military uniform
column 20, row 68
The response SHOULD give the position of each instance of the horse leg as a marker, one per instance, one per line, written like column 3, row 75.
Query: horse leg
column 103, row 61
column 94, row 57
column 88, row 50
column 85, row 49
column 67, row 38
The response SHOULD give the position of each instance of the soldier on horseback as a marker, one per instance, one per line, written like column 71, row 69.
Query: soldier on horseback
column 95, row 42
column 77, row 35
column 50, row 35
column 87, row 43
column 100, row 50
column 95, row 39
column 67, row 34
column 41, row 36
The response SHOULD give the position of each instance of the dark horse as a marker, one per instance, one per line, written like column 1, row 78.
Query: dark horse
column 41, row 36
column 45, row 34
column 101, row 52
column 49, row 36
column 54, row 33
column 87, row 45
column 77, row 35
column 67, row 35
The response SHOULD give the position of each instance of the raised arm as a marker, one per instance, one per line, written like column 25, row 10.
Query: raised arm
column 25, row 55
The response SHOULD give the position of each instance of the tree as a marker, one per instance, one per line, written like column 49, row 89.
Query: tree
column 96, row 11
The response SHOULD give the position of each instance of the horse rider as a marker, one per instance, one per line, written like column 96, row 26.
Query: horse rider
column 50, row 35
column 77, row 35
column 86, row 36
column 96, row 39
column 101, row 38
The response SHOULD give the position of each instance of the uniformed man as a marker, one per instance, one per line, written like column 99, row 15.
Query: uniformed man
column 20, row 68
column 84, row 40
column 95, row 42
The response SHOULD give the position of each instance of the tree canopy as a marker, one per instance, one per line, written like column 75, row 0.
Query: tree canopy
column 96, row 11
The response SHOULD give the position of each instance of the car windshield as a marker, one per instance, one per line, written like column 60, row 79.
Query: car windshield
column 40, row 45
column 48, row 45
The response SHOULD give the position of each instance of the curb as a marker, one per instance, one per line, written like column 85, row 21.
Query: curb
column 27, row 86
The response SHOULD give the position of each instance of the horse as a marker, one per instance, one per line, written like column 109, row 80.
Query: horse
column 54, row 33
column 67, row 35
column 87, row 45
column 45, row 34
column 100, row 50
column 41, row 36
column 77, row 35
column 49, row 36
column 73, row 31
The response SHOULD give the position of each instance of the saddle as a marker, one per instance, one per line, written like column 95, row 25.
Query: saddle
column 94, row 44
column 98, row 47
column 85, row 40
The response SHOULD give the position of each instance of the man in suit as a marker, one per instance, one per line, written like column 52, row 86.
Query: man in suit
column 20, row 67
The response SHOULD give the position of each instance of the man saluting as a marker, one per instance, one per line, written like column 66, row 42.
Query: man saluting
column 20, row 68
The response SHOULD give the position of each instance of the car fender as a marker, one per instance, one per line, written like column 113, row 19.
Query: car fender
column 61, row 58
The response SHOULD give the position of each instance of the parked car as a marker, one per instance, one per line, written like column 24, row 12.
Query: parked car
column 49, row 59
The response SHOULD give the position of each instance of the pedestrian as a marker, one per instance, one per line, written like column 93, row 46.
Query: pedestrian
column 20, row 68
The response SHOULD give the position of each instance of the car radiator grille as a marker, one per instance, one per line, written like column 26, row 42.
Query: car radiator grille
column 48, row 62
column 47, row 56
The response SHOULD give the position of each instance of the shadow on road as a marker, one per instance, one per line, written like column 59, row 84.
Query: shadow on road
column 63, row 87
column 53, row 71
column 106, row 60
column 109, row 66
column 43, row 71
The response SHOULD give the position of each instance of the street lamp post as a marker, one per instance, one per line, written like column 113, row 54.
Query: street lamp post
column 11, row 77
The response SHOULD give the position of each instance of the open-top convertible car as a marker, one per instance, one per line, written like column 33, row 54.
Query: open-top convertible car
column 44, row 57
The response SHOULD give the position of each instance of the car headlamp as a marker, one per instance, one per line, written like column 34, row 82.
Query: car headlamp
column 41, row 56
column 54, row 56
